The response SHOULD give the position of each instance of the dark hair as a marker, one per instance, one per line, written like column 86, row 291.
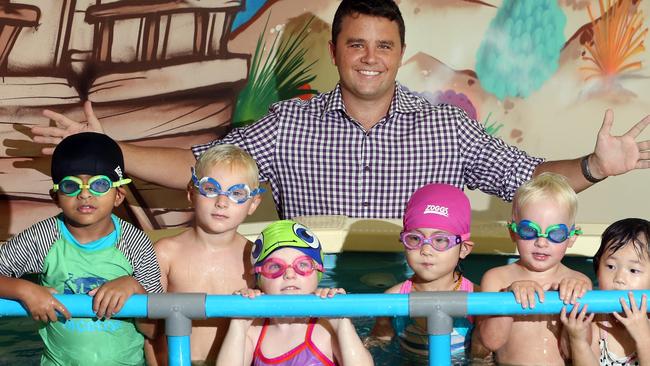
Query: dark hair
column 622, row 232
column 376, row 8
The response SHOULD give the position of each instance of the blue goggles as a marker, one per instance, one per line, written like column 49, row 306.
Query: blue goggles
column 239, row 193
column 529, row 230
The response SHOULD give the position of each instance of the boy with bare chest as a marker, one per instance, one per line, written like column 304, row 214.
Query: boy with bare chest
column 543, row 227
column 211, row 257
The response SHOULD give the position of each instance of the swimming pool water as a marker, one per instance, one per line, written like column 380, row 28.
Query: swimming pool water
column 356, row 272
column 375, row 272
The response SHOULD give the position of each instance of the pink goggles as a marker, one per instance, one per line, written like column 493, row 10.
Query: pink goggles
column 441, row 242
column 276, row 267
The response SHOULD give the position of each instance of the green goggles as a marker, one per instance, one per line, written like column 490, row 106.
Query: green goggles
column 529, row 230
column 98, row 185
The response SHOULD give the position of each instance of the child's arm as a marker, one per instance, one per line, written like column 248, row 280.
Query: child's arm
column 494, row 331
column 637, row 324
column 348, row 349
column 109, row 298
column 22, row 254
column 478, row 352
column 37, row 299
column 155, row 345
column 163, row 249
column 237, row 347
column 576, row 336
column 138, row 248
column 382, row 331
column 353, row 351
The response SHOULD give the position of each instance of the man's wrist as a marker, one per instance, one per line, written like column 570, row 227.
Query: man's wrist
column 586, row 172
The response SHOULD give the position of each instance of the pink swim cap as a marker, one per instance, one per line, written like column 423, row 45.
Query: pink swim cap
column 439, row 206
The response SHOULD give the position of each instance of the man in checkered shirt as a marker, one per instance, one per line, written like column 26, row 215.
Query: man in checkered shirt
column 361, row 149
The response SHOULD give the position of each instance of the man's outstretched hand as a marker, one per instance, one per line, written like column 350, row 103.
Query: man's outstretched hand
column 615, row 155
column 63, row 127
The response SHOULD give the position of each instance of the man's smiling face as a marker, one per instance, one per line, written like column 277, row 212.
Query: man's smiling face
column 367, row 54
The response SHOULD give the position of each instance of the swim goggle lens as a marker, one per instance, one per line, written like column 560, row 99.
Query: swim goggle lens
column 98, row 185
column 276, row 267
column 557, row 233
column 440, row 242
column 239, row 193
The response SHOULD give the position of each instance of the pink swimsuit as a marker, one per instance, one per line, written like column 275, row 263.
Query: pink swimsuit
column 305, row 354
column 415, row 339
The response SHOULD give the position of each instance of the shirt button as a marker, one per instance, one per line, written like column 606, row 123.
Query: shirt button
column 366, row 204
column 366, row 168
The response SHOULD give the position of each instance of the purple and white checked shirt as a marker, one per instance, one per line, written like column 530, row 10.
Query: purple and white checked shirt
column 320, row 161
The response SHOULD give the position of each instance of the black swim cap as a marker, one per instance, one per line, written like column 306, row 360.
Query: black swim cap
column 88, row 153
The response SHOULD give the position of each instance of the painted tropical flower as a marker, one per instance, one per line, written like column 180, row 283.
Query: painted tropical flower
column 618, row 36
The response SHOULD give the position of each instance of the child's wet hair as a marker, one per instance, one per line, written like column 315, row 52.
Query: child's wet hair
column 544, row 186
column 617, row 235
column 230, row 155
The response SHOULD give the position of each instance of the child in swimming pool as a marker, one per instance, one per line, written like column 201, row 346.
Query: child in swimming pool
column 287, row 259
column 543, row 227
column 436, row 237
column 83, row 250
column 211, row 256
column 621, row 263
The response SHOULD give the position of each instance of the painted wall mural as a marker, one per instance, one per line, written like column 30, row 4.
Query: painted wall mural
column 537, row 73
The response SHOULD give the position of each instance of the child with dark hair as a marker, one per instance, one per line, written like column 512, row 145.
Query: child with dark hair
column 436, row 238
column 621, row 263
column 83, row 250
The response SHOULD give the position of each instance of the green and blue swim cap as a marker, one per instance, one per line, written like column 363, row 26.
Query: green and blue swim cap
column 286, row 234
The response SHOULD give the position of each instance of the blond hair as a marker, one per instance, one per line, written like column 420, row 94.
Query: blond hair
column 546, row 186
column 230, row 155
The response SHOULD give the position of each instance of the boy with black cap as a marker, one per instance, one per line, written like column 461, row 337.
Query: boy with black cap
column 83, row 250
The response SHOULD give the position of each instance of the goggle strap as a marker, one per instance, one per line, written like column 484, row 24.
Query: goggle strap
column 257, row 191
column 195, row 179
column 121, row 182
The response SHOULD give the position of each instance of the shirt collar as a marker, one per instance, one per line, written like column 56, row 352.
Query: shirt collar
column 403, row 101
column 335, row 101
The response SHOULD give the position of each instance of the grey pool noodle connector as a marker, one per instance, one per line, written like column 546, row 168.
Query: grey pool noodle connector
column 178, row 310
column 439, row 308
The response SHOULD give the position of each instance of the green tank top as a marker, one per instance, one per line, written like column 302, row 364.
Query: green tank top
column 71, row 269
